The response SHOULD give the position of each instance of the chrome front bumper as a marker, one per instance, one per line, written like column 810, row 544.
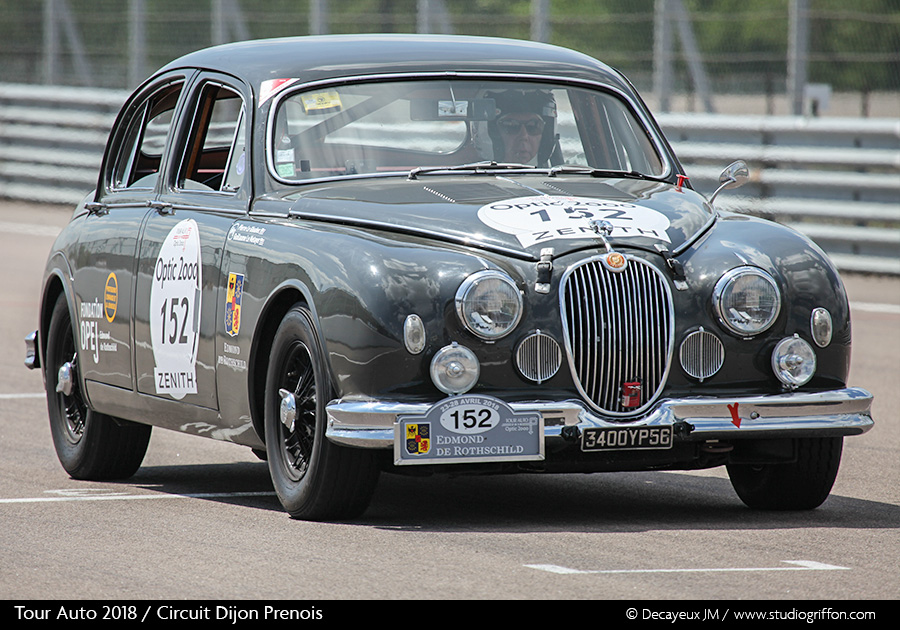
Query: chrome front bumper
column 796, row 414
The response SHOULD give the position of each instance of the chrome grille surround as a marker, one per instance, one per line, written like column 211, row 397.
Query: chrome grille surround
column 538, row 357
column 701, row 354
column 619, row 327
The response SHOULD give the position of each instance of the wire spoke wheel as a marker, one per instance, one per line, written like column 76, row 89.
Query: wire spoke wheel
column 76, row 411
column 298, row 441
column 89, row 445
column 313, row 478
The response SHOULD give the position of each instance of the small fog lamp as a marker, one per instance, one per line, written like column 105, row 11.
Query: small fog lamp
column 455, row 369
column 793, row 361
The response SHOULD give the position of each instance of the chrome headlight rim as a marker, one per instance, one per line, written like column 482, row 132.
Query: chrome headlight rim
column 470, row 283
column 721, row 291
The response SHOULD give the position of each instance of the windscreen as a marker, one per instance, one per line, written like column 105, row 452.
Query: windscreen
column 397, row 126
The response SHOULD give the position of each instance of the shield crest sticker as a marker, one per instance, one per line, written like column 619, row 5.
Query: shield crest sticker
column 233, row 303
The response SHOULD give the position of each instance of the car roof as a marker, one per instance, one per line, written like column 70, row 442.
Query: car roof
column 314, row 58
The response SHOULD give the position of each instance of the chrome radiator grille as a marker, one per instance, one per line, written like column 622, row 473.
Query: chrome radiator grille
column 619, row 332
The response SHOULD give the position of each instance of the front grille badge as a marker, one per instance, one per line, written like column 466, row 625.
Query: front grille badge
column 611, row 260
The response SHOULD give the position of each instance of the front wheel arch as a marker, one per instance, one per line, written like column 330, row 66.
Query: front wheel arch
column 270, row 318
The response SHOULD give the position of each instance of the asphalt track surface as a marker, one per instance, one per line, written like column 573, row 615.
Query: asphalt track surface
column 199, row 521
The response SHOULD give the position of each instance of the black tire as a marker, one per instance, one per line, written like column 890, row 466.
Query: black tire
column 801, row 485
column 313, row 478
column 89, row 445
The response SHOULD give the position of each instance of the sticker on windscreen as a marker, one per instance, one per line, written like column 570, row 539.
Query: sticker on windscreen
column 175, row 311
column 542, row 218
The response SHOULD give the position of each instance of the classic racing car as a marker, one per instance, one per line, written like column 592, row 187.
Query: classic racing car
column 425, row 254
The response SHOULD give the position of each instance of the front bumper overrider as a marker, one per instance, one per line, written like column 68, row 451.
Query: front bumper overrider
column 842, row 412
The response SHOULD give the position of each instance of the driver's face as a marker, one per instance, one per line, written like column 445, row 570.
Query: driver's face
column 521, row 135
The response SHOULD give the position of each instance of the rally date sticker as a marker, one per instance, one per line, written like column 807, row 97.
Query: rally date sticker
column 542, row 218
column 175, row 311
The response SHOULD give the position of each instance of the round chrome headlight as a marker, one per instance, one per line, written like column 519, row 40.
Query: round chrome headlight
column 455, row 369
column 489, row 304
column 794, row 361
column 747, row 301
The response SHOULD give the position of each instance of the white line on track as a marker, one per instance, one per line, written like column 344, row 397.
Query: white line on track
column 800, row 565
column 135, row 497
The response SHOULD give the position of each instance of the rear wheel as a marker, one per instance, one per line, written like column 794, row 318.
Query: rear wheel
column 801, row 485
column 313, row 478
column 89, row 445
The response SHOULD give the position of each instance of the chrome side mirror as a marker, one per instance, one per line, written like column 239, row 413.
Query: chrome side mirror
column 735, row 175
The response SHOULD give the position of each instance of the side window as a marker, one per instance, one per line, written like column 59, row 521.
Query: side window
column 214, row 153
column 140, row 152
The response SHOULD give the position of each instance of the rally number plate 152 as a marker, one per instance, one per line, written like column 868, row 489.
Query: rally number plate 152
column 467, row 429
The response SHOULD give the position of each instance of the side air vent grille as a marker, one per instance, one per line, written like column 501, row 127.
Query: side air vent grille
column 702, row 354
column 538, row 357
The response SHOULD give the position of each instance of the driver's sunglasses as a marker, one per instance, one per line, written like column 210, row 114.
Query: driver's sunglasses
column 511, row 126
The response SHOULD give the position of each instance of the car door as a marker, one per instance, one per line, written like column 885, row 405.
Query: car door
column 104, row 256
column 180, row 253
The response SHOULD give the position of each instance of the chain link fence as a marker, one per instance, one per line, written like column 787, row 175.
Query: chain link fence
column 724, row 56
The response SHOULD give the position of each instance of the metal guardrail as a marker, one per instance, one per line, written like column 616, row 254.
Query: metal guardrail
column 835, row 179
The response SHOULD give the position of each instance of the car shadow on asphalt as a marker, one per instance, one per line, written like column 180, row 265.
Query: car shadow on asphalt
column 627, row 502
column 238, row 483
column 608, row 502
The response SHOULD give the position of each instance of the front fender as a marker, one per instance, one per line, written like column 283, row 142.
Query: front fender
column 806, row 277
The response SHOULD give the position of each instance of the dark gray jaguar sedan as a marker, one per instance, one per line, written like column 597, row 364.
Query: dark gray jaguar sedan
column 432, row 254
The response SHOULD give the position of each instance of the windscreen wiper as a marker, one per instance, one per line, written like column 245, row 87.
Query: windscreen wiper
column 600, row 172
column 478, row 167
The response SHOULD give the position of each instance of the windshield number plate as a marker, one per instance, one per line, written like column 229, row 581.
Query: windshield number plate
column 626, row 438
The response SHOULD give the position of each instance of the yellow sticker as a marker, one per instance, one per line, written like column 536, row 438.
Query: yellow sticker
column 111, row 297
column 322, row 102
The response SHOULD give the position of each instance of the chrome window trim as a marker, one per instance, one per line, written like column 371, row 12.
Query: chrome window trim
column 109, row 185
column 198, row 89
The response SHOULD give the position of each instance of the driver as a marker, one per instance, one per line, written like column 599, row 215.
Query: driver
column 521, row 135
column 523, row 130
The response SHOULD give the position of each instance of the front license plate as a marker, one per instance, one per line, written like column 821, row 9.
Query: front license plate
column 467, row 429
column 626, row 438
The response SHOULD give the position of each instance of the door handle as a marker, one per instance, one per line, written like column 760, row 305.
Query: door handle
column 162, row 207
column 96, row 208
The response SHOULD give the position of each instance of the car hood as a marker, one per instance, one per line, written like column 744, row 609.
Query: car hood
column 518, row 214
